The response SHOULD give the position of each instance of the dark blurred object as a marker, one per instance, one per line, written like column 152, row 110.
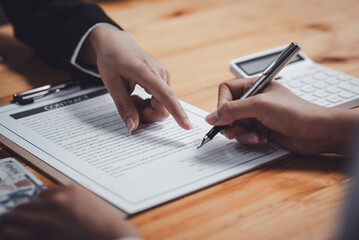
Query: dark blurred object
column 350, row 220
column 3, row 20
column 53, row 28
column 2, row 17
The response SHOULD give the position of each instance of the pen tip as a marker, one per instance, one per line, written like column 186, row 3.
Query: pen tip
column 204, row 141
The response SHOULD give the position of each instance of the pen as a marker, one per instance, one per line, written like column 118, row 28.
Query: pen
column 269, row 73
column 29, row 96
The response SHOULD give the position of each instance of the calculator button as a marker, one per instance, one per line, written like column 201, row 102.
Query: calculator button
column 344, row 77
column 320, row 85
column 310, row 72
column 349, row 87
column 297, row 76
column 330, row 73
column 309, row 97
column 308, row 89
column 307, row 74
column 307, row 80
column 284, row 80
column 322, row 102
column 346, row 95
column 332, row 81
column 321, row 94
column 320, row 76
column 332, row 89
column 333, row 99
column 295, row 84
column 319, row 68
column 298, row 92
column 355, row 81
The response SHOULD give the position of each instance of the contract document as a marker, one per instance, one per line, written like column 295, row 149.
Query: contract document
column 82, row 135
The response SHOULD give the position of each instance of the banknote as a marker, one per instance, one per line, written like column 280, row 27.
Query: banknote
column 17, row 185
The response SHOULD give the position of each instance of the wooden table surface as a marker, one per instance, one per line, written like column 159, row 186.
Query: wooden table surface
column 293, row 198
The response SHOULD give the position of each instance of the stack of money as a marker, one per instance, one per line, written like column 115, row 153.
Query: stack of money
column 17, row 185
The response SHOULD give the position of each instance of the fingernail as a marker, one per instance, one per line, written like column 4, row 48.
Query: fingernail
column 251, row 140
column 263, row 140
column 130, row 124
column 212, row 118
column 188, row 123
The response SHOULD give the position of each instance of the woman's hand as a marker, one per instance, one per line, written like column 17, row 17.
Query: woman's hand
column 278, row 115
column 122, row 64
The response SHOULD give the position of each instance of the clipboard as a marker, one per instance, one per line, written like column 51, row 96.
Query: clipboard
column 101, row 116
column 38, row 164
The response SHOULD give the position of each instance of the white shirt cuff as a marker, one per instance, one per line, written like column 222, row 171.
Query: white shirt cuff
column 78, row 48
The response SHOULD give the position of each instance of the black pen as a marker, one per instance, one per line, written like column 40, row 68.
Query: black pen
column 29, row 96
column 269, row 73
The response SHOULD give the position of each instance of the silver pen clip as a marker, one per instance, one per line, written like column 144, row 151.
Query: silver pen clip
column 273, row 69
column 280, row 62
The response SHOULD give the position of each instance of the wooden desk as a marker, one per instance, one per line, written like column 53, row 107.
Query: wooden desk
column 293, row 198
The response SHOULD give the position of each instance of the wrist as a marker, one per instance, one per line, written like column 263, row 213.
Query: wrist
column 98, row 35
column 339, row 126
column 90, row 49
column 104, row 38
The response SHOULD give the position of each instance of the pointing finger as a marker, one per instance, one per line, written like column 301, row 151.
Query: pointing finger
column 162, row 92
column 233, row 89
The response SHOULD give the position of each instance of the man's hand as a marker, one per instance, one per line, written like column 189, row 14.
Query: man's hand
column 65, row 213
column 122, row 64
column 277, row 114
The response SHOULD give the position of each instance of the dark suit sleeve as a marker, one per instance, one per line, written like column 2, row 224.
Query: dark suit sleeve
column 53, row 28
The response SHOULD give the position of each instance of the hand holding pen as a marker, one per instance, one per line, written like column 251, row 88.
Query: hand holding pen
column 269, row 73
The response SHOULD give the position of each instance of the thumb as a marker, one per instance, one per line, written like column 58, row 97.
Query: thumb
column 232, row 111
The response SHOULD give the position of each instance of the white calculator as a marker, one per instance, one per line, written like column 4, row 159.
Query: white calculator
column 304, row 77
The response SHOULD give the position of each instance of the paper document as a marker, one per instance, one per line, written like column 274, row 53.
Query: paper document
column 83, row 136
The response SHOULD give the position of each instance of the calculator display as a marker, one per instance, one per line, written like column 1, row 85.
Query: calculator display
column 257, row 65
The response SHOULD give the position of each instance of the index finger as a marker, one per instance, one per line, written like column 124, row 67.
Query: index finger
column 161, row 91
column 233, row 89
